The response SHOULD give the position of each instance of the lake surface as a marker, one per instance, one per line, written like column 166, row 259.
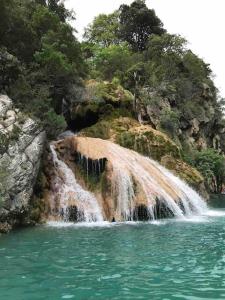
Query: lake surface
column 169, row 259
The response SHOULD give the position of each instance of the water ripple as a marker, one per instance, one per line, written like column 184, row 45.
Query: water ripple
column 168, row 259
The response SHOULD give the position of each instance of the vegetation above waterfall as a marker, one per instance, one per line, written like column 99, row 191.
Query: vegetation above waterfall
column 173, row 88
column 127, row 68
column 40, row 59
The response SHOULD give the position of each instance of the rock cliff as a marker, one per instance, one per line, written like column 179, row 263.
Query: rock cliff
column 21, row 146
column 195, row 123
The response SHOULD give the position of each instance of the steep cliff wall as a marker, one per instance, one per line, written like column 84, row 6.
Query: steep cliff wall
column 21, row 146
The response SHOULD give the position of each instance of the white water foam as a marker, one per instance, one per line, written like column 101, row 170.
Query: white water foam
column 58, row 224
column 70, row 193
column 214, row 213
column 155, row 181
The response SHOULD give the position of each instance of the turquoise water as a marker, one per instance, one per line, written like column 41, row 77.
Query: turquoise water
column 161, row 260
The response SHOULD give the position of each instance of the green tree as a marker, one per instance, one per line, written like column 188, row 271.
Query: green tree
column 212, row 165
column 138, row 23
column 163, row 57
column 104, row 30
column 112, row 61
column 169, row 122
column 57, row 7
column 40, row 59
column 10, row 68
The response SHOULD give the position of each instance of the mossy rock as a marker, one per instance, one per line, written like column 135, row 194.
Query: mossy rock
column 128, row 133
column 186, row 172
column 100, row 100
column 149, row 142
column 108, row 92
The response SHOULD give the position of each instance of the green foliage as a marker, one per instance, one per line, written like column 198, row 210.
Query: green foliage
column 111, row 61
column 43, row 20
column 196, row 68
column 212, row 166
column 190, row 110
column 40, row 59
column 56, row 61
column 10, row 69
column 169, row 122
column 15, row 133
column 42, row 67
column 57, row 7
column 132, row 24
column 34, row 99
column 53, row 123
column 137, row 23
column 104, row 30
column 164, row 58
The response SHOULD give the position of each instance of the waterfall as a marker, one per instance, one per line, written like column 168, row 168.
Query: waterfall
column 71, row 197
column 139, row 188
column 156, row 182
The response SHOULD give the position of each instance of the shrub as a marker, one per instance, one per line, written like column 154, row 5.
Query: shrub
column 212, row 166
column 169, row 122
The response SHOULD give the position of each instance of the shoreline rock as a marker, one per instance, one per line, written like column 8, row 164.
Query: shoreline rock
column 21, row 145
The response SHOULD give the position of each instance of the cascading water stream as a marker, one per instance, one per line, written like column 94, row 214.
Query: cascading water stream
column 136, row 182
column 156, row 182
column 70, row 194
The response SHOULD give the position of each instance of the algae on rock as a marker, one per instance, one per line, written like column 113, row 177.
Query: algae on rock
column 99, row 100
column 128, row 133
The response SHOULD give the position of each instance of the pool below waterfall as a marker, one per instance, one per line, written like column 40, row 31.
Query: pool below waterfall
column 168, row 259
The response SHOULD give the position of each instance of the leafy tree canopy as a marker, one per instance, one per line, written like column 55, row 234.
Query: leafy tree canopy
column 40, row 58
column 212, row 165
column 138, row 23
column 104, row 30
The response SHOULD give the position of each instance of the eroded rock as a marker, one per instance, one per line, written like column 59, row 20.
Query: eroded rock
column 21, row 146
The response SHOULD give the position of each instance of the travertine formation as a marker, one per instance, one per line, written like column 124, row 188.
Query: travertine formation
column 126, row 185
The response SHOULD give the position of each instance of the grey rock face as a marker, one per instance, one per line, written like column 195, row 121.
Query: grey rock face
column 21, row 145
column 198, row 124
